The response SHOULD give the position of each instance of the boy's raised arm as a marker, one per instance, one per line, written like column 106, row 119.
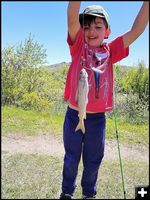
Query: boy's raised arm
column 138, row 26
column 73, row 18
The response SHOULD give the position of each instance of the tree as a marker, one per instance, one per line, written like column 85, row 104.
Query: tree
column 119, row 74
column 17, row 61
column 136, row 80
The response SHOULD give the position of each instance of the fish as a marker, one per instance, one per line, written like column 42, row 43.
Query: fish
column 82, row 99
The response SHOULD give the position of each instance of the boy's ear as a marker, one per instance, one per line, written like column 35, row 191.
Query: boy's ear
column 107, row 33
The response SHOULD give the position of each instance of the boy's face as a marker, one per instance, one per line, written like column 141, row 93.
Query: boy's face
column 95, row 32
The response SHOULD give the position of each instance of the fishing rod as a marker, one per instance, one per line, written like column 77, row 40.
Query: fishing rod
column 119, row 153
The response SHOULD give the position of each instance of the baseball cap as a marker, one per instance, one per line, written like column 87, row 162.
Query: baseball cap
column 95, row 10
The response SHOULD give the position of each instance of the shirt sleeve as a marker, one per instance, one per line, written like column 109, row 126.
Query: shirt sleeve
column 118, row 52
column 77, row 44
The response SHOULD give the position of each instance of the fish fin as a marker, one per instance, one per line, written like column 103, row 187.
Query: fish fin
column 80, row 126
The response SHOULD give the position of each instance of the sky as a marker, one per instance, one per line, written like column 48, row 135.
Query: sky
column 47, row 24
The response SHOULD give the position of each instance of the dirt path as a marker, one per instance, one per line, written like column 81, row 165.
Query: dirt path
column 52, row 145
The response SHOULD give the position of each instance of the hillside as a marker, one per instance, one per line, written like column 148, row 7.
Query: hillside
column 55, row 67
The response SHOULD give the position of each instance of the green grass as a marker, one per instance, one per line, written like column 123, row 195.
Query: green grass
column 128, row 133
column 16, row 120
column 110, row 181
column 39, row 177
column 30, row 176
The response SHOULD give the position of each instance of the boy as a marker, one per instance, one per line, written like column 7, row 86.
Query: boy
column 86, row 33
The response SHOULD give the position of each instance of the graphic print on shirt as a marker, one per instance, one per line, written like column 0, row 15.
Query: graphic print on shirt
column 96, row 64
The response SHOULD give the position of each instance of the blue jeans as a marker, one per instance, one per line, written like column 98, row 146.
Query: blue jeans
column 90, row 145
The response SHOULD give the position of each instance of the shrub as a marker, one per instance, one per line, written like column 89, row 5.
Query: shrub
column 132, row 109
column 31, row 101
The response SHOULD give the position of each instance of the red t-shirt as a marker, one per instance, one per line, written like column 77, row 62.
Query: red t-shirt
column 111, row 52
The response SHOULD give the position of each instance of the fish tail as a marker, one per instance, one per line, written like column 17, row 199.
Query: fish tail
column 80, row 126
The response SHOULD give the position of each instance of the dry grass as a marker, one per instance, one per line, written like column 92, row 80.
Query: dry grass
column 33, row 176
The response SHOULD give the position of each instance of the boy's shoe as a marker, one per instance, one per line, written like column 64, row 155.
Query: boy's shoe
column 65, row 196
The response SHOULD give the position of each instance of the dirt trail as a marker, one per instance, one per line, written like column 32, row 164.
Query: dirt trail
column 52, row 145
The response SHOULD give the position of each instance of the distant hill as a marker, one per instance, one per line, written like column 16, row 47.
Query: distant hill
column 56, row 66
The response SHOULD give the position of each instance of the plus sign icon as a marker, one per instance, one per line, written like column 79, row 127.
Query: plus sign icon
column 142, row 192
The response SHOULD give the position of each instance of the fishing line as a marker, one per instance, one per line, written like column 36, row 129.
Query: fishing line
column 95, row 72
column 83, row 59
column 114, row 110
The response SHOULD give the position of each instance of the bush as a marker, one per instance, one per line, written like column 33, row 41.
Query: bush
column 31, row 101
column 132, row 109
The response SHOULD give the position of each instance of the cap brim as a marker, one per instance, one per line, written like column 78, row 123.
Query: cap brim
column 81, row 15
